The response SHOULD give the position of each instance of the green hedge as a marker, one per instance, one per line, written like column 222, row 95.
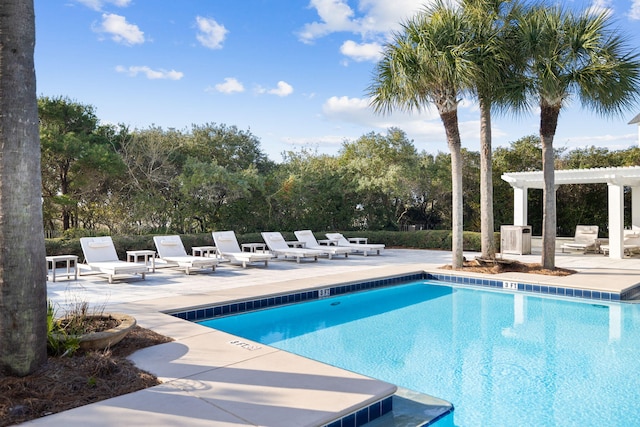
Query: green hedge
column 423, row 239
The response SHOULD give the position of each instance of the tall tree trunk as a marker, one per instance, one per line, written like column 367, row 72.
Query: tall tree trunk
column 23, row 293
column 486, row 183
column 450, row 121
column 548, row 124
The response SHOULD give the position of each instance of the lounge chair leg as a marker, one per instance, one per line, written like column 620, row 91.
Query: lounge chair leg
column 266, row 263
column 143, row 274
column 244, row 264
column 110, row 279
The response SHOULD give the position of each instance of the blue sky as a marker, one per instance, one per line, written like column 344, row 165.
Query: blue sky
column 294, row 73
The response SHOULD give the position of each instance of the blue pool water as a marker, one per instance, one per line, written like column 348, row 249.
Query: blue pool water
column 502, row 359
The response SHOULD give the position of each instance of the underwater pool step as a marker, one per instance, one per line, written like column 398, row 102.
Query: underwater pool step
column 413, row 409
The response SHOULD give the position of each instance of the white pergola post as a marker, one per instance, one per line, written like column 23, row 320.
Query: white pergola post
column 635, row 208
column 616, row 220
column 520, row 206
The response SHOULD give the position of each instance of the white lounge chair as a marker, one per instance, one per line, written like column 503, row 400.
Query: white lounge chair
column 171, row 250
column 310, row 242
column 100, row 255
column 278, row 246
column 630, row 241
column 228, row 247
column 365, row 248
column 585, row 239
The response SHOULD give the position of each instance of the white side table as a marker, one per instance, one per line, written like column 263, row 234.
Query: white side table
column 205, row 251
column 147, row 255
column 296, row 244
column 358, row 240
column 71, row 263
column 253, row 247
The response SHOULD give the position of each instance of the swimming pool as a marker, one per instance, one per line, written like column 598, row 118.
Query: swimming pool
column 502, row 358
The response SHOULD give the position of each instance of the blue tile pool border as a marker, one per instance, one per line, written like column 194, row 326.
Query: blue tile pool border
column 364, row 415
column 532, row 287
column 236, row 307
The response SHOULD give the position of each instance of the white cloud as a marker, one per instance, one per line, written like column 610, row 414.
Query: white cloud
column 335, row 15
column 386, row 16
column 373, row 21
column 634, row 12
column 424, row 126
column 600, row 6
column 98, row 4
column 282, row 89
column 361, row 51
column 230, row 85
column 121, row 31
column 211, row 34
column 149, row 73
column 376, row 18
column 354, row 110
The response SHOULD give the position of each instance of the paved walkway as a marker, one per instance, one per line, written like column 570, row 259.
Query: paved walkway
column 209, row 381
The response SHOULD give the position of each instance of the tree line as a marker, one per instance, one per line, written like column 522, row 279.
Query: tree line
column 110, row 179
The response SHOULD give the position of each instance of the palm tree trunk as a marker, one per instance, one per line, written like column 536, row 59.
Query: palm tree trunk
column 486, row 183
column 548, row 123
column 23, row 292
column 450, row 121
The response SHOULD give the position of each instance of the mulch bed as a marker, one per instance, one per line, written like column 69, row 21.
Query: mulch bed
column 68, row 382
column 496, row 266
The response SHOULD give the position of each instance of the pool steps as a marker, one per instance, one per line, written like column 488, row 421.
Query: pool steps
column 411, row 408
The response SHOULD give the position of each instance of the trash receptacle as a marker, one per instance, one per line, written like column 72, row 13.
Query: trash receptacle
column 515, row 239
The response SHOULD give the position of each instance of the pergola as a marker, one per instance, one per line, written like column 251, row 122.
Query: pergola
column 615, row 178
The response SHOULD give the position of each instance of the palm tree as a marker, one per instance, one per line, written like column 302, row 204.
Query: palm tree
column 425, row 64
column 573, row 55
column 23, row 293
column 495, row 84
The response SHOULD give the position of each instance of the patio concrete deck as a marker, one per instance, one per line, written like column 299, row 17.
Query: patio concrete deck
column 209, row 381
